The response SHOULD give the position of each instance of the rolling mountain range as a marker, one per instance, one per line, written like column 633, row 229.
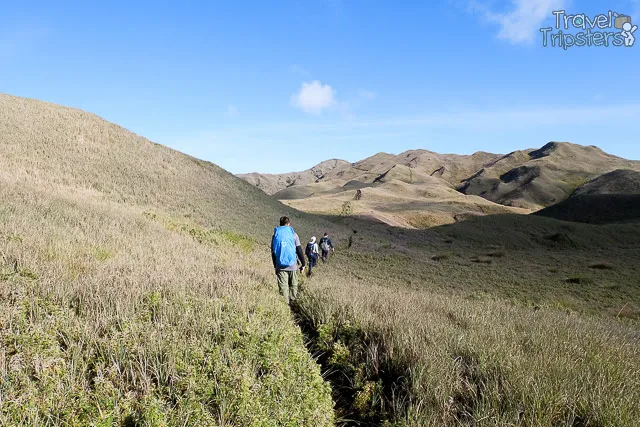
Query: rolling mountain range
column 420, row 188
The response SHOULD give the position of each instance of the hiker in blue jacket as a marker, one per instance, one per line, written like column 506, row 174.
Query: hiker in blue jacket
column 325, row 246
column 286, row 251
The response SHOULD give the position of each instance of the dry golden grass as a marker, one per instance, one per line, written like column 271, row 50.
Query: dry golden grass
column 400, row 204
column 127, row 294
column 111, row 316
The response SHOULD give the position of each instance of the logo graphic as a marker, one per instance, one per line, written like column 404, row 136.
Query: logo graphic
column 582, row 30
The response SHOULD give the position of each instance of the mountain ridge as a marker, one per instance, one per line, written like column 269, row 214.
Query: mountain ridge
column 532, row 178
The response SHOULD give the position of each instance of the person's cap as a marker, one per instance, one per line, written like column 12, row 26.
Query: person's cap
column 313, row 239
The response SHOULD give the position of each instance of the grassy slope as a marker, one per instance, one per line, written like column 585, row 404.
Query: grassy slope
column 505, row 320
column 620, row 181
column 399, row 203
column 129, row 288
column 68, row 148
column 544, row 176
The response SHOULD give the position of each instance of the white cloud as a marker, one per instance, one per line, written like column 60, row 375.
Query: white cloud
column 366, row 95
column 521, row 24
column 232, row 111
column 314, row 97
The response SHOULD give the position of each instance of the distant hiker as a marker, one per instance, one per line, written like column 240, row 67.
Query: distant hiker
column 286, row 251
column 312, row 254
column 358, row 194
column 325, row 246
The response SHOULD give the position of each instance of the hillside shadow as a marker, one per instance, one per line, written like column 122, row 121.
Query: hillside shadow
column 514, row 230
column 596, row 209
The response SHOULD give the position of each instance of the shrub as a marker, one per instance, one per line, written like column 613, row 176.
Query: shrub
column 346, row 209
column 442, row 256
column 481, row 260
column 579, row 280
column 497, row 254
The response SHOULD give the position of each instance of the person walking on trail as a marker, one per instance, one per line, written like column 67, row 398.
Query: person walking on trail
column 312, row 254
column 286, row 251
column 326, row 246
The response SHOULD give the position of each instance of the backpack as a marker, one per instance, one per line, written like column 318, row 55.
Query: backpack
column 309, row 251
column 283, row 245
column 324, row 244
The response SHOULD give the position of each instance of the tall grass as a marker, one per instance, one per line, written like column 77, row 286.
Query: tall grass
column 129, row 292
column 110, row 317
column 423, row 358
column 414, row 338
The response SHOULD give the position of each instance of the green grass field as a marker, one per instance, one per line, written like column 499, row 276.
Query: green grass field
column 136, row 289
column 544, row 331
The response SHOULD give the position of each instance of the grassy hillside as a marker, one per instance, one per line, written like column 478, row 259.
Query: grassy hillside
column 543, row 177
column 398, row 203
column 272, row 183
column 57, row 147
column 129, row 288
column 620, row 181
column 136, row 289
column 401, row 196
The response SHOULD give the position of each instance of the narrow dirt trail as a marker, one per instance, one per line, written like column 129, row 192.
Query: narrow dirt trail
column 341, row 390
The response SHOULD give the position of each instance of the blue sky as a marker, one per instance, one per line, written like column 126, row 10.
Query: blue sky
column 280, row 86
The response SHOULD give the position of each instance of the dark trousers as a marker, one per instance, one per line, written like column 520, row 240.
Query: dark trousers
column 325, row 254
column 313, row 260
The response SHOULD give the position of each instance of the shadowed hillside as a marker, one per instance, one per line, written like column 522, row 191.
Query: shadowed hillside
column 596, row 209
column 610, row 198
column 621, row 181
